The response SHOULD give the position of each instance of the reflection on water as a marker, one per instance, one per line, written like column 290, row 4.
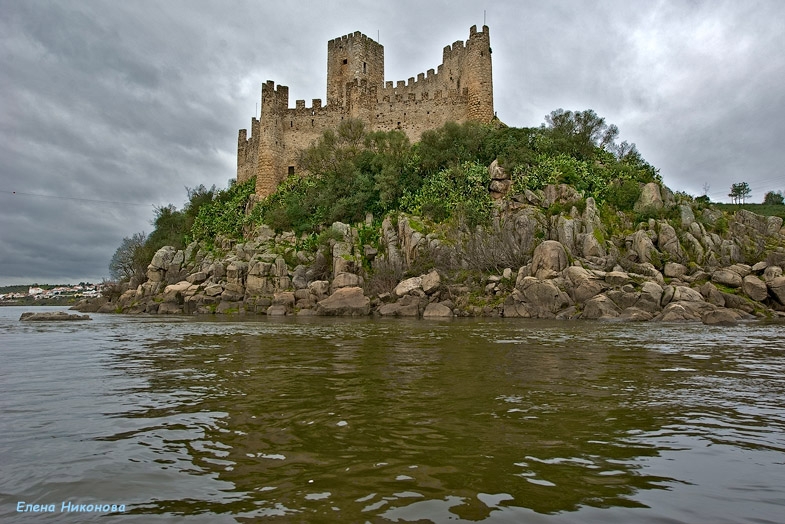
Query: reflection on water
column 367, row 420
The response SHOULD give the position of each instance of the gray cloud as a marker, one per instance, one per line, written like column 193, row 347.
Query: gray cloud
column 132, row 102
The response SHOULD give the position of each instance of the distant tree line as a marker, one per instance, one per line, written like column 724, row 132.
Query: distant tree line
column 741, row 191
column 773, row 198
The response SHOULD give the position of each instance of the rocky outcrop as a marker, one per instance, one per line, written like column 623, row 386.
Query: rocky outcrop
column 55, row 316
column 347, row 301
column 650, row 199
column 89, row 305
column 547, row 254
column 500, row 181
column 549, row 259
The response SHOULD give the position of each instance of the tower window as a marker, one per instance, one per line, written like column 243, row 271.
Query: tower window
column 345, row 61
column 365, row 69
column 291, row 170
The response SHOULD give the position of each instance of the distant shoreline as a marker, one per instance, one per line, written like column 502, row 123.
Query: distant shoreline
column 65, row 301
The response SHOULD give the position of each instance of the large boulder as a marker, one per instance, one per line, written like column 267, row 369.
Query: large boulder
column 742, row 269
column 285, row 299
column 622, row 298
column 163, row 258
column 236, row 272
column 549, row 259
column 726, row 277
column 739, row 302
column 436, row 310
column 566, row 230
column 617, row 278
column 543, row 297
column 500, row 180
column 343, row 280
column 347, row 301
column 319, row 288
column 343, row 262
column 591, row 246
column 755, row 288
column 408, row 286
column 408, row 306
column 771, row 273
column 777, row 289
column 668, row 242
column 687, row 216
column 757, row 225
column 176, row 292
column 674, row 270
column 720, row 317
column 600, row 307
column 431, row 282
column 584, row 285
column 640, row 247
column 684, row 311
column 197, row 278
column 635, row 314
column 559, row 194
column 169, row 308
column 232, row 292
column 650, row 198
column 712, row 295
column 650, row 297
column 680, row 294
column 213, row 290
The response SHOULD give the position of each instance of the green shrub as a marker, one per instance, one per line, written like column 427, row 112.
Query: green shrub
column 225, row 215
column 721, row 226
column 460, row 192
column 624, row 195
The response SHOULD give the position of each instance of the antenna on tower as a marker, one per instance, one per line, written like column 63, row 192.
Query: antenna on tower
column 377, row 36
column 483, row 17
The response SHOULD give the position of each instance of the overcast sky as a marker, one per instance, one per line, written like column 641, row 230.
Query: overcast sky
column 111, row 108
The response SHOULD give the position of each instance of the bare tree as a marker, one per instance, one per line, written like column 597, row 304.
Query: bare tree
column 125, row 264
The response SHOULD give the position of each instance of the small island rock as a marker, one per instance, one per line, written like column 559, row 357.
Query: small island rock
column 52, row 316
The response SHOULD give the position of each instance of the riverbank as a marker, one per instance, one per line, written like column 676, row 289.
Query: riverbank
column 547, row 254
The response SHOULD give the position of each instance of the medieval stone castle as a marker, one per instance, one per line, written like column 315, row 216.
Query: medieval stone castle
column 460, row 89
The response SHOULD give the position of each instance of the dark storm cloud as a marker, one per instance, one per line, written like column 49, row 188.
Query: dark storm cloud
column 134, row 101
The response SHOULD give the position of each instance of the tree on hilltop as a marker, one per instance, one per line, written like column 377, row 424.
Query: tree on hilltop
column 578, row 133
column 774, row 198
column 739, row 192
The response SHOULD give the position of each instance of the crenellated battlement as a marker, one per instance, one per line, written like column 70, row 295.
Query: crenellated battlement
column 458, row 89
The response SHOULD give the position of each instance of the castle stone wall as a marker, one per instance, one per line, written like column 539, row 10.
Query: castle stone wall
column 460, row 89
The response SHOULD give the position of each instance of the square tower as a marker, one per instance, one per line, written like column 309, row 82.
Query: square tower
column 351, row 58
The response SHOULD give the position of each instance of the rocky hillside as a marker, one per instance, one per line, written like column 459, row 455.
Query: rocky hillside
column 548, row 254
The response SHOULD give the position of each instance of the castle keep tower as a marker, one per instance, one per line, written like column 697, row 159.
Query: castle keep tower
column 352, row 59
column 460, row 89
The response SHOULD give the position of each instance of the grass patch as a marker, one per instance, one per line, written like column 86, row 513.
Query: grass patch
column 767, row 210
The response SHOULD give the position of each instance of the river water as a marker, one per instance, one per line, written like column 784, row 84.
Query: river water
column 368, row 420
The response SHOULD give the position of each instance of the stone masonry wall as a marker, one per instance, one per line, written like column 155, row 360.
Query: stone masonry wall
column 460, row 89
